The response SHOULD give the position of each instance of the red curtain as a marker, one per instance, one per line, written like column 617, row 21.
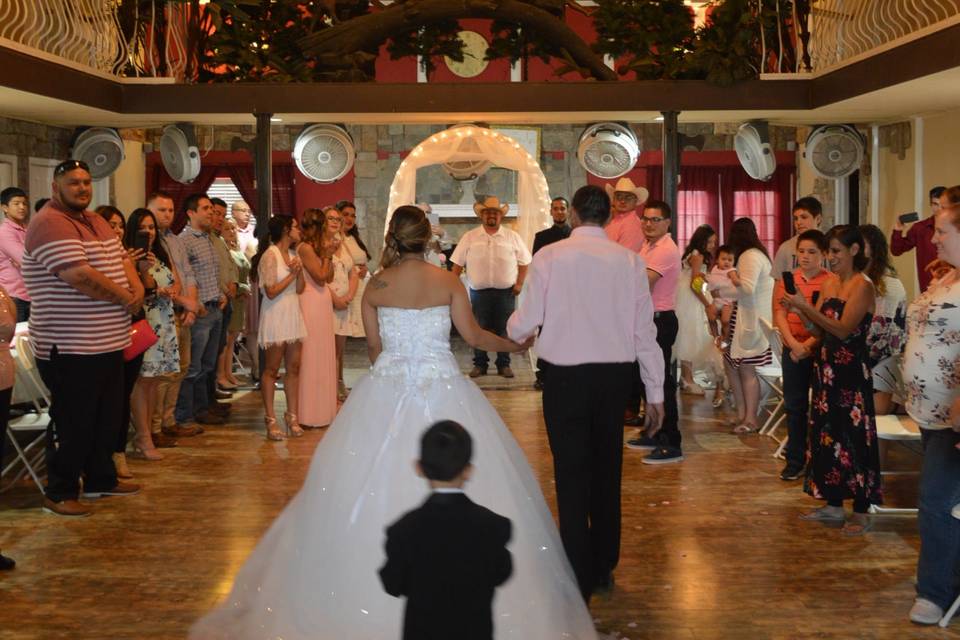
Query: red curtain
column 245, row 179
column 283, row 190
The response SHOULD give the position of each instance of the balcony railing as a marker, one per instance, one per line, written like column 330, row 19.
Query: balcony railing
column 125, row 38
column 833, row 33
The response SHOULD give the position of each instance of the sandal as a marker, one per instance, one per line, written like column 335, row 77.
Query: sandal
column 273, row 433
column 852, row 528
column 293, row 426
column 823, row 514
column 744, row 429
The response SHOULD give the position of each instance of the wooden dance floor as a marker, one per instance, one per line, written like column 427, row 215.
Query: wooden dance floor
column 712, row 547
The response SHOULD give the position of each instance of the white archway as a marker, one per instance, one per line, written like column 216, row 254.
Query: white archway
column 478, row 143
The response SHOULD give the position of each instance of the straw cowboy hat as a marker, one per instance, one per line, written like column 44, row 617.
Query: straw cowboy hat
column 626, row 185
column 490, row 202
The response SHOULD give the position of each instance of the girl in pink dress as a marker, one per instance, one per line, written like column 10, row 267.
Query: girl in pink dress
column 318, row 364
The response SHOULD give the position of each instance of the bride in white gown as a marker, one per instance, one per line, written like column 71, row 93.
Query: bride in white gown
column 314, row 574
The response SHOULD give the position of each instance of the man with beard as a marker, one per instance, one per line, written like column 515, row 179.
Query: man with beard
column 495, row 259
column 83, row 289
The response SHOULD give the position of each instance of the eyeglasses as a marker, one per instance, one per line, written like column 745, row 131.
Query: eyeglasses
column 624, row 196
column 69, row 165
column 654, row 220
column 490, row 211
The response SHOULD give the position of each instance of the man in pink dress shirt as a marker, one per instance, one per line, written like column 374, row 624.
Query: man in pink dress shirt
column 663, row 271
column 590, row 298
column 16, row 211
column 624, row 227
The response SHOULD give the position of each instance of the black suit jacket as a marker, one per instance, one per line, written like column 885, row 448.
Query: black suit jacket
column 549, row 236
column 447, row 557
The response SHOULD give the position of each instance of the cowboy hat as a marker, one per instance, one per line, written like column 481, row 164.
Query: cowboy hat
column 626, row 185
column 490, row 202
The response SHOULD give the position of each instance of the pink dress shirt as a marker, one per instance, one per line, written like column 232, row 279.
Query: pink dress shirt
column 626, row 229
column 11, row 257
column 663, row 257
column 592, row 298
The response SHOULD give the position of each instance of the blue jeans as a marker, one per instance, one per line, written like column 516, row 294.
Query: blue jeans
column 194, row 397
column 939, row 561
column 492, row 308
column 796, row 403
column 220, row 335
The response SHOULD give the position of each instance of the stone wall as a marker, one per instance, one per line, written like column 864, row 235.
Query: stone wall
column 30, row 139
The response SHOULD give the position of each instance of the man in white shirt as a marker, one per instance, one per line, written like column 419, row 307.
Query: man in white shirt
column 495, row 259
column 246, row 228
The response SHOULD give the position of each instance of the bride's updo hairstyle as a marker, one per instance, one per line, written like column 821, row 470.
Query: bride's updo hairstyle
column 409, row 232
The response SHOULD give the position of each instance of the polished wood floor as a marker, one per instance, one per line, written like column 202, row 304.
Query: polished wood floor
column 712, row 547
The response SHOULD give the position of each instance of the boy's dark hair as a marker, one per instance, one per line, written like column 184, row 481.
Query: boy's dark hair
column 39, row 204
column 936, row 192
column 815, row 236
column 10, row 193
column 218, row 202
column 810, row 204
column 725, row 248
column 445, row 450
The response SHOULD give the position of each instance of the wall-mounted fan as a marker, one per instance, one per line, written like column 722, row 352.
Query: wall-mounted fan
column 324, row 152
column 835, row 151
column 754, row 150
column 179, row 152
column 100, row 148
column 470, row 168
column 608, row 149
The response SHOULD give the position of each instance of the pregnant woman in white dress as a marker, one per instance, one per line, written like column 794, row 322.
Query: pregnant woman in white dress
column 314, row 574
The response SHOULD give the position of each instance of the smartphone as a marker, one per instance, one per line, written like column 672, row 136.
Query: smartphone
column 788, row 283
column 913, row 216
column 142, row 241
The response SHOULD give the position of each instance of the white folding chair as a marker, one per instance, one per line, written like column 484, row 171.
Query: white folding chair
column 904, row 430
column 31, row 456
column 945, row 620
column 772, row 375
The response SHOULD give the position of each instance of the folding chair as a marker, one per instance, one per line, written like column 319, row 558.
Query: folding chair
column 772, row 375
column 904, row 430
column 31, row 456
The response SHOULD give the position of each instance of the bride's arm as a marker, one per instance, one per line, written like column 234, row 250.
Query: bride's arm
column 371, row 325
column 463, row 319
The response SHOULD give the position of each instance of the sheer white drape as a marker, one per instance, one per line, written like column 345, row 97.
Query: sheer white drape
column 478, row 143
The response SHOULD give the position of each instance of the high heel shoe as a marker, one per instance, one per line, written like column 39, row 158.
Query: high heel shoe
column 143, row 448
column 120, row 464
column 293, row 427
column 273, row 433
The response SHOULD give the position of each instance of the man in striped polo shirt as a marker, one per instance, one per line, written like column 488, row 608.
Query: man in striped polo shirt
column 83, row 289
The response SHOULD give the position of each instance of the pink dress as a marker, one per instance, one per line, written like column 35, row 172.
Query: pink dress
column 318, row 357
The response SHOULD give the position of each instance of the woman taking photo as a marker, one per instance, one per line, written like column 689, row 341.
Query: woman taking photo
column 694, row 346
column 318, row 361
column 931, row 364
column 748, row 348
column 844, row 461
column 281, row 324
column 162, row 289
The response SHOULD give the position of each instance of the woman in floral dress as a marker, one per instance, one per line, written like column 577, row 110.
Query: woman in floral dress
column 843, row 460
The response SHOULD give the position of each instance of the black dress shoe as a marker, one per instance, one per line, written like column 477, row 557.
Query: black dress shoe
column 604, row 585
column 538, row 385
column 6, row 563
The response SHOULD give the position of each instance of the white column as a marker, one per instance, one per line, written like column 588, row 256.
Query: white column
column 919, row 188
column 875, row 175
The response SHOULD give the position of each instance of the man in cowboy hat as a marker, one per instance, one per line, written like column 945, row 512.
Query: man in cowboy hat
column 624, row 227
column 495, row 259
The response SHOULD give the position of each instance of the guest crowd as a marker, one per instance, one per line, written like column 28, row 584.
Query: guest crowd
column 165, row 307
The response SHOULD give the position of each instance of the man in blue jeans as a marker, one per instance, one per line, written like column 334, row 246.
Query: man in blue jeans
column 495, row 259
column 194, row 403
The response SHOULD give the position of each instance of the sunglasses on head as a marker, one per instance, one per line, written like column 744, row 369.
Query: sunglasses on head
column 69, row 165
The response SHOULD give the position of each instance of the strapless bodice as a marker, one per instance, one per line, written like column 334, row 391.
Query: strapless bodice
column 416, row 344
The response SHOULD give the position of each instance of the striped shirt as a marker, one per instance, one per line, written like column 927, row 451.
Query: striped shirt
column 204, row 262
column 60, row 314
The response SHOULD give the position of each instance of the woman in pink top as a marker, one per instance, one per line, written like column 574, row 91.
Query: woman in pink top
column 8, row 323
column 16, row 209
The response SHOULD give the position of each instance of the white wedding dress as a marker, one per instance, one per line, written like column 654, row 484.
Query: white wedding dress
column 314, row 573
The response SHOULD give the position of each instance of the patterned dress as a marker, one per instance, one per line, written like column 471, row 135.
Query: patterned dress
column 843, row 459
column 164, row 356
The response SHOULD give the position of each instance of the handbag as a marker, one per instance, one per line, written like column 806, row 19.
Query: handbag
column 142, row 337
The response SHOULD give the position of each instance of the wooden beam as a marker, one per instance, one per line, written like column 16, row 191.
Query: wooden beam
column 263, row 170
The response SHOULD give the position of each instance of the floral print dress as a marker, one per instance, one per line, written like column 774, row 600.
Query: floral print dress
column 843, row 459
column 164, row 356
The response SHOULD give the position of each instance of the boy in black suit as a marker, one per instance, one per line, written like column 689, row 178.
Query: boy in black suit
column 449, row 555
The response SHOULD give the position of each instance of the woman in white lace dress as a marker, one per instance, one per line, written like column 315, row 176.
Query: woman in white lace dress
column 281, row 323
column 314, row 574
column 694, row 346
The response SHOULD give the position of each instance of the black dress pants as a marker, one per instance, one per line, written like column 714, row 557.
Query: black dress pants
column 583, row 410
column 669, row 434
column 87, row 396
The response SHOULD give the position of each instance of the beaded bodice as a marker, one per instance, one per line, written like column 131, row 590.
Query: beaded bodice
column 416, row 344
